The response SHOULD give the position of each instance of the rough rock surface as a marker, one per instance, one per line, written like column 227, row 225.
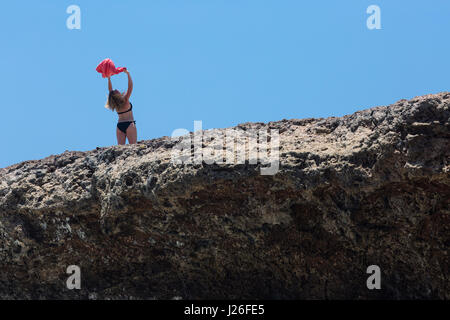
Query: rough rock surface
column 368, row 188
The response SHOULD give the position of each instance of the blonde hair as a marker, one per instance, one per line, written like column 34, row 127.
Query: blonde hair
column 115, row 100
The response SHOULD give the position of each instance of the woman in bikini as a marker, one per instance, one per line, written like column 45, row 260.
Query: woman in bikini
column 119, row 102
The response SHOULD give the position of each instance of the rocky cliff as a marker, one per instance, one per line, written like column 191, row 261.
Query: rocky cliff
column 371, row 188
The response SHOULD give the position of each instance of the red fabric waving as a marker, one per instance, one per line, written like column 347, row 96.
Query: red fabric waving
column 108, row 69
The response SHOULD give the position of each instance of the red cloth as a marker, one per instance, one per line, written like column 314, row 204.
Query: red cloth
column 108, row 69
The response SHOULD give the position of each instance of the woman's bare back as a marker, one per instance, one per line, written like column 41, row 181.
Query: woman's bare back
column 126, row 116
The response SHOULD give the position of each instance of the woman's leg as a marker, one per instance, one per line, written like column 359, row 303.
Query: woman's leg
column 132, row 133
column 121, row 137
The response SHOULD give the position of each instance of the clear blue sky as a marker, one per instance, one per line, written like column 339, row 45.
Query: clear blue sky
column 220, row 61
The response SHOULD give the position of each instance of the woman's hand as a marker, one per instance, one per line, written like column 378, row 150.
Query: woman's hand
column 126, row 71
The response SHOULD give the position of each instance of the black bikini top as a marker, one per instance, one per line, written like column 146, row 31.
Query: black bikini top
column 131, row 107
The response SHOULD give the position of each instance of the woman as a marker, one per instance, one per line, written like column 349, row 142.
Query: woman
column 126, row 126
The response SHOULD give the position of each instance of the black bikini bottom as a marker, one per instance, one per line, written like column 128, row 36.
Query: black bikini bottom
column 123, row 126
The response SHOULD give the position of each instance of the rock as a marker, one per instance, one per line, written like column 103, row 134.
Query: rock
column 371, row 188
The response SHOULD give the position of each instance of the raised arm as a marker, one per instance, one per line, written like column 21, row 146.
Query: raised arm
column 130, row 85
column 109, row 84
